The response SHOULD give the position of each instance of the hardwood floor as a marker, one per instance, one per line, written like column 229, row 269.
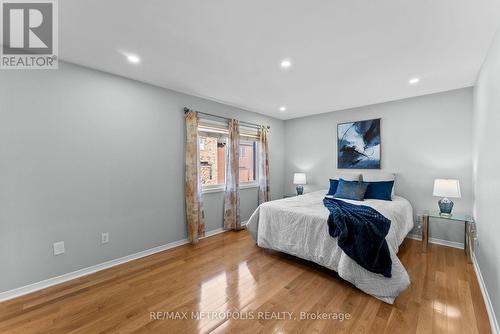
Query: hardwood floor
column 228, row 272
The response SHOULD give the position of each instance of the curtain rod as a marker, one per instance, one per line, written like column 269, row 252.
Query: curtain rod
column 186, row 109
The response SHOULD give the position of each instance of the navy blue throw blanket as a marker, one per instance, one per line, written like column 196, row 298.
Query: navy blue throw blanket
column 360, row 232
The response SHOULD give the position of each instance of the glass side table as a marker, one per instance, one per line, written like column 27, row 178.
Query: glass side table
column 468, row 234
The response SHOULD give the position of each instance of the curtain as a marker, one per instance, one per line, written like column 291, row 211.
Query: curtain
column 232, row 189
column 195, row 216
column 263, row 160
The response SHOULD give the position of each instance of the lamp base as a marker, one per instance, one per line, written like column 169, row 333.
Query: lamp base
column 445, row 207
column 300, row 190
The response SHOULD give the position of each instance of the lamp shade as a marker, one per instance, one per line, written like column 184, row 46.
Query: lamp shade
column 299, row 178
column 447, row 188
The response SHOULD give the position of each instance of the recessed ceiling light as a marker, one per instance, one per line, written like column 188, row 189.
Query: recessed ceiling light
column 133, row 59
column 286, row 63
column 282, row 108
column 414, row 81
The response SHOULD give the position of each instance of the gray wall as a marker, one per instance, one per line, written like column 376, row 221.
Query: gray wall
column 423, row 138
column 84, row 152
column 486, row 171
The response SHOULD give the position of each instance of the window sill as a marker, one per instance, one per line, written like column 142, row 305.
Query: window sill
column 249, row 185
column 221, row 188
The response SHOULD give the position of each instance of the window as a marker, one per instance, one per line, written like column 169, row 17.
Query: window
column 247, row 161
column 213, row 144
column 212, row 160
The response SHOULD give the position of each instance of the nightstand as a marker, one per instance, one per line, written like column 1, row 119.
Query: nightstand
column 468, row 226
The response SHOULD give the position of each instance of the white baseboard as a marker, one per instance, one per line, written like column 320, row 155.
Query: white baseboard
column 24, row 290
column 487, row 301
column 212, row 233
column 436, row 241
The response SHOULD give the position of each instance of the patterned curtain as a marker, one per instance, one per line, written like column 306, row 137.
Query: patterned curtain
column 195, row 216
column 263, row 165
column 232, row 194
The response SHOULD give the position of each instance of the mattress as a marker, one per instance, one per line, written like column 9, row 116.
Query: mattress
column 298, row 226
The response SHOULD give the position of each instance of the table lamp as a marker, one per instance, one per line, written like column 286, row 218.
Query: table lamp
column 299, row 179
column 446, row 188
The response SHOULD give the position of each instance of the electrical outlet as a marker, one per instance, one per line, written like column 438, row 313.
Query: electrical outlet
column 104, row 238
column 58, row 247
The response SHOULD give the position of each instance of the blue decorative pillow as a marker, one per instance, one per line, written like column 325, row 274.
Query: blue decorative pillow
column 354, row 190
column 333, row 187
column 379, row 190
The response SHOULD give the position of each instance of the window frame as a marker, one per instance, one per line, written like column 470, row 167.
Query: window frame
column 218, row 129
column 254, row 183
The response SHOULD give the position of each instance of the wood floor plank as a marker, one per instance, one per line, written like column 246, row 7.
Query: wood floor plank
column 229, row 274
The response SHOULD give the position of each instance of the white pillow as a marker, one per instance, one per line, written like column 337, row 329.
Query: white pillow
column 348, row 176
column 379, row 176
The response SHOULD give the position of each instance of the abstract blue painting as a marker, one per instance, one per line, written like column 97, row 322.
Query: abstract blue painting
column 358, row 144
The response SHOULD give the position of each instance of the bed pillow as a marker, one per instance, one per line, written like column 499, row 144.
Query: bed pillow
column 376, row 176
column 379, row 190
column 347, row 176
column 333, row 187
column 354, row 190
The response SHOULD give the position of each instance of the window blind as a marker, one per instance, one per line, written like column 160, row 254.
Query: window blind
column 213, row 127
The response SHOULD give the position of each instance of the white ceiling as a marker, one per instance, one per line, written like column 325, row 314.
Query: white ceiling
column 345, row 53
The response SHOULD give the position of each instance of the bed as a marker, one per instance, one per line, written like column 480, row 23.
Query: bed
column 297, row 226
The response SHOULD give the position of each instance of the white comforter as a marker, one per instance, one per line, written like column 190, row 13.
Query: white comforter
column 297, row 226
